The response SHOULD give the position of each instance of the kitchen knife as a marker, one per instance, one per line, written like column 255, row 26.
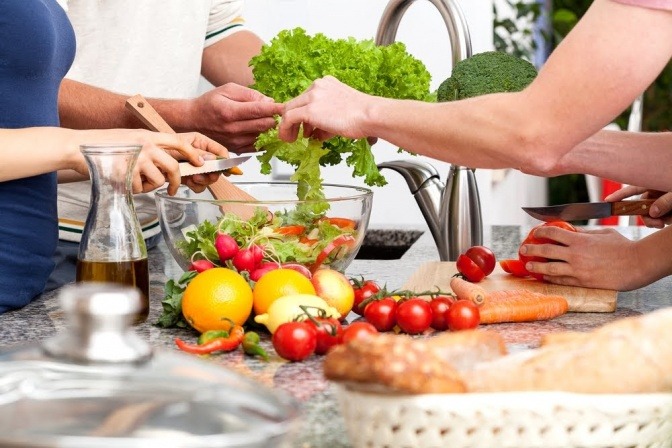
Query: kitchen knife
column 211, row 166
column 590, row 210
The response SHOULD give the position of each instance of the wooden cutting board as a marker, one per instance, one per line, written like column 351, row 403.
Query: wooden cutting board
column 587, row 300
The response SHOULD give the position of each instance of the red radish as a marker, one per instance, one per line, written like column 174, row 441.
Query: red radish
column 298, row 268
column 226, row 246
column 258, row 254
column 244, row 261
column 201, row 265
column 264, row 268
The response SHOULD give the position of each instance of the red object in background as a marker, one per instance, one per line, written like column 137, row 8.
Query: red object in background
column 608, row 187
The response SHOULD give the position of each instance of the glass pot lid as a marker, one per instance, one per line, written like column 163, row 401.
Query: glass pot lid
column 98, row 384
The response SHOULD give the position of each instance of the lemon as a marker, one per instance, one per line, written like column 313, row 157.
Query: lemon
column 278, row 283
column 288, row 309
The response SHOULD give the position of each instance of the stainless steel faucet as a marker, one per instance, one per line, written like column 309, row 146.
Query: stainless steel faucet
column 452, row 210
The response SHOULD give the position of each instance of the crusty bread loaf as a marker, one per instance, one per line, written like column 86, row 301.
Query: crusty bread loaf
column 631, row 355
column 403, row 364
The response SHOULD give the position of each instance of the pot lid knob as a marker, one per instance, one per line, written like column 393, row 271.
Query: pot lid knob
column 99, row 318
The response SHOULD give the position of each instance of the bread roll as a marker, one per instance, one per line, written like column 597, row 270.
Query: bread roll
column 631, row 355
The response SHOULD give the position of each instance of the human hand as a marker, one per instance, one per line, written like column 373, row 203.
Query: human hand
column 659, row 212
column 234, row 115
column 159, row 156
column 327, row 108
column 595, row 259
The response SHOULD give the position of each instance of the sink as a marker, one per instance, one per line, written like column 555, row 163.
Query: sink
column 384, row 244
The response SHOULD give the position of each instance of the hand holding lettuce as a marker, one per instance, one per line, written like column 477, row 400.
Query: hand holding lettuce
column 289, row 65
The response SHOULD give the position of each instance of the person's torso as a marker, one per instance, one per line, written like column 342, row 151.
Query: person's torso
column 37, row 46
column 153, row 47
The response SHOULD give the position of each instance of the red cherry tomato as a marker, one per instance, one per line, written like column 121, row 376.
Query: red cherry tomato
column 463, row 315
column 295, row 341
column 363, row 290
column 483, row 257
column 414, row 316
column 515, row 267
column 439, row 306
column 469, row 269
column 329, row 333
column 382, row 314
column 358, row 330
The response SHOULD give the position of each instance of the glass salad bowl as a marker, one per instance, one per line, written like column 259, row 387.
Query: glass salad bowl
column 276, row 229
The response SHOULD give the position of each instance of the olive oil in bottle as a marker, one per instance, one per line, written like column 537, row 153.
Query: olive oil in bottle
column 132, row 273
column 112, row 248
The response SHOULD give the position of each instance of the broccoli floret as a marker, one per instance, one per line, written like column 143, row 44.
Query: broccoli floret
column 484, row 73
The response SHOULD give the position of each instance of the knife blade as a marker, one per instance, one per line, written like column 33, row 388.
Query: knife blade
column 211, row 166
column 589, row 210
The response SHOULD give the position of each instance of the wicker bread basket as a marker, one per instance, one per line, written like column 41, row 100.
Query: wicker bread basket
column 520, row 419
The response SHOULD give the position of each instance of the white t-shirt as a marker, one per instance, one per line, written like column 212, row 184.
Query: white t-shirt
column 151, row 47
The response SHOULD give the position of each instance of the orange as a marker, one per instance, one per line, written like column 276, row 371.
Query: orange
column 215, row 296
column 278, row 283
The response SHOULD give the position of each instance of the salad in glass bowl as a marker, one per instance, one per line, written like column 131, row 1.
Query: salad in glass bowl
column 275, row 230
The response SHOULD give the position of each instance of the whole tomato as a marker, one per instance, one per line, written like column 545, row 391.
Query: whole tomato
column 329, row 333
column 363, row 290
column 439, row 306
column 463, row 315
column 531, row 239
column 382, row 314
column 414, row 316
column 295, row 341
column 358, row 330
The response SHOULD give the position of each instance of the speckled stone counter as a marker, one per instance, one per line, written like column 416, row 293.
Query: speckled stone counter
column 322, row 424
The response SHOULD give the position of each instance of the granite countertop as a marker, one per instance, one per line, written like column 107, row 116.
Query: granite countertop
column 322, row 424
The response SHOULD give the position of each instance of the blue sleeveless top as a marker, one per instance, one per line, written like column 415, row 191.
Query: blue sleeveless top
column 37, row 46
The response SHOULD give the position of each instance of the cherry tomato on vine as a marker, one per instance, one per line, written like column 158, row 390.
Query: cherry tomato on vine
column 329, row 333
column 358, row 330
column 414, row 316
column 382, row 314
column 295, row 341
column 439, row 306
column 463, row 315
column 363, row 290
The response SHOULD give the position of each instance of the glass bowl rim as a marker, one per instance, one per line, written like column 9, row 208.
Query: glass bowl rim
column 363, row 194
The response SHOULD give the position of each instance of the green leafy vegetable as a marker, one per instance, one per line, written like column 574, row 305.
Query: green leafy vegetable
column 484, row 73
column 288, row 66
column 172, row 303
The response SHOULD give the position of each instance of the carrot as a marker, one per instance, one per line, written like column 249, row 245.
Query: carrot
column 521, row 306
column 468, row 291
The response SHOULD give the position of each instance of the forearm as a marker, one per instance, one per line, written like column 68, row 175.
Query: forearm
column 652, row 259
column 32, row 151
column 82, row 106
column 492, row 131
column 228, row 60
column 641, row 159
